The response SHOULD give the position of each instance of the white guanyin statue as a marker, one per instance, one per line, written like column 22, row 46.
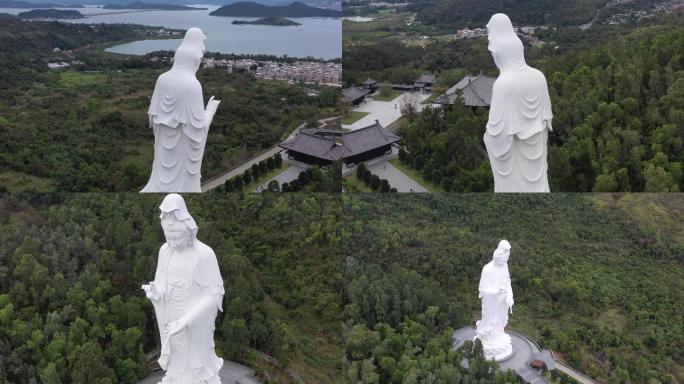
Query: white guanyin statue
column 497, row 300
column 187, row 293
column 180, row 121
column 520, row 115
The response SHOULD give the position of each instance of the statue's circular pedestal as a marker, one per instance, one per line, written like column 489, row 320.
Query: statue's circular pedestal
column 523, row 352
column 231, row 373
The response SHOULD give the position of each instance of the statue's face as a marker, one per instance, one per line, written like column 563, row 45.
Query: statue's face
column 176, row 233
column 503, row 258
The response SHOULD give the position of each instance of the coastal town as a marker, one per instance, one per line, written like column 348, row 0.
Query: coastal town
column 306, row 72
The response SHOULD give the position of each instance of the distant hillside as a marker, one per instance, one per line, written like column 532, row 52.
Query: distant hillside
column 252, row 9
column 327, row 4
column 163, row 7
column 26, row 4
column 50, row 14
column 463, row 13
column 272, row 20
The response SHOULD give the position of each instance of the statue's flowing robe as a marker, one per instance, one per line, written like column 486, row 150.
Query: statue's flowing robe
column 180, row 126
column 520, row 115
column 495, row 288
column 206, row 294
column 517, row 132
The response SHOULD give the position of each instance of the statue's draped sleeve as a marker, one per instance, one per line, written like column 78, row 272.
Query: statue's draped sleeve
column 159, row 309
column 520, row 105
column 177, row 100
column 201, row 320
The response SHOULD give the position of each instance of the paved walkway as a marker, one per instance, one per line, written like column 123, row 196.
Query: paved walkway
column 386, row 112
column 289, row 174
column 396, row 178
column 579, row 376
column 220, row 180
column 231, row 373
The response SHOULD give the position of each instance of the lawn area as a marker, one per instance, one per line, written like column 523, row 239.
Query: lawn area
column 353, row 116
column 356, row 185
column 72, row 79
column 397, row 124
column 391, row 96
column 415, row 175
column 432, row 96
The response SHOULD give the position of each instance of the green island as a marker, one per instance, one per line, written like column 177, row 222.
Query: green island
column 615, row 79
column 152, row 6
column 271, row 20
column 253, row 9
column 85, row 127
column 56, row 14
column 71, row 307
column 597, row 279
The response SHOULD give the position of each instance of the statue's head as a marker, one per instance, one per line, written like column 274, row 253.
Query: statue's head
column 189, row 54
column 179, row 227
column 502, row 252
column 504, row 44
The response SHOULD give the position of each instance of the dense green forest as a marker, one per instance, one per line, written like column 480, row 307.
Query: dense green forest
column 597, row 278
column 475, row 14
column 86, row 128
column 618, row 107
column 71, row 307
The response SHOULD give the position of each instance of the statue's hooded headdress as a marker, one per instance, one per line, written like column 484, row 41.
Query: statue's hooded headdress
column 505, row 44
column 189, row 54
column 174, row 202
column 500, row 251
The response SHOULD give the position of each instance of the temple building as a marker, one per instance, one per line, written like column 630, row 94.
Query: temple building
column 370, row 84
column 474, row 91
column 354, row 95
column 322, row 147
column 425, row 82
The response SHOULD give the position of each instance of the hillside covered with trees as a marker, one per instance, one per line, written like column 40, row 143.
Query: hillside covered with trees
column 618, row 122
column 597, row 278
column 85, row 128
column 616, row 93
column 71, row 267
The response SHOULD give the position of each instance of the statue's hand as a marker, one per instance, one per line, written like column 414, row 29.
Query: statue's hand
column 510, row 302
column 176, row 326
column 212, row 105
column 151, row 291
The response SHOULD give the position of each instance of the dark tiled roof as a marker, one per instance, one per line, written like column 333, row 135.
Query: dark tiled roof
column 350, row 144
column 352, row 94
column 403, row 86
column 366, row 139
column 475, row 91
column 313, row 145
column 428, row 78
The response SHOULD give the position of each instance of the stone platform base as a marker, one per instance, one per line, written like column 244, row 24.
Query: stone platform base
column 524, row 350
column 231, row 373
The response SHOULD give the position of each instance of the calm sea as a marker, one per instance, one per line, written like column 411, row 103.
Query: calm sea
column 316, row 37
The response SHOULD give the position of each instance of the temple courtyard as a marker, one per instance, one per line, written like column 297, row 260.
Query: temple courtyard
column 385, row 112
